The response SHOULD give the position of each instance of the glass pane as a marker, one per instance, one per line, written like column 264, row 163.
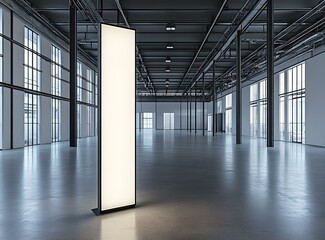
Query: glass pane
column 281, row 83
column 263, row 89
column 282, row 118
column 303, row 76
column 294, row 79
column 254, row 92
column 289, row 111
column 229, row 101
column 290, row 80
column 299, row 83
column 228, row 120
column 219, row 107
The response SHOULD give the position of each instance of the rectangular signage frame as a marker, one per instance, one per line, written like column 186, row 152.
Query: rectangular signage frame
column 101, row 108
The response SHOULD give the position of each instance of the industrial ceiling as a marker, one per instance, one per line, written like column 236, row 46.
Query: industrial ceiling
column 178, row 40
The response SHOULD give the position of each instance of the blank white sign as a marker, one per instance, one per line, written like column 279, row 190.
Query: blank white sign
column 117, row 161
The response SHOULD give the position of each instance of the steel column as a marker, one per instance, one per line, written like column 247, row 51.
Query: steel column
column 203, row 103
column 190, row 111
column 73, row 75
column 187, row 112
column 180, row 115
column 11, row 81
column 156, row 119
column 270, row 74
column 141, row 115
column 102, row 8
column 195, row 111
column 214, row 99
column 238, row 91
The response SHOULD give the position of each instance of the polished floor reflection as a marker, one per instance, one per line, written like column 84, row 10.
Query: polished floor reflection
column 188, row 187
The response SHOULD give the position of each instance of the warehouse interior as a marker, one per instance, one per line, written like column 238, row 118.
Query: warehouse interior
column 229, row 119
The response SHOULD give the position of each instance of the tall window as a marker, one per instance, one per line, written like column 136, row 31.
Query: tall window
column 253, row 110
column 263, row 109
column 219, row 106
column 90, row 98
column 96, row 103
column 79, row 95
column 32, row 75
column 258, row 109
column 292, row 104
column 1, row 76
column 79, row 81
column 90, row 85
column 229, row 113
column 147, row 120
column 169, row 121
column 56, row 90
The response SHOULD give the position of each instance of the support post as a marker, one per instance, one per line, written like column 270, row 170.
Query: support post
column 102, row 8
column 11, row 81
column 195, row 113
column 190, row 111
column 187, row 112
column 73, row 75
column 203, row 104
column 156, row 114
column 238, row 91
column 214, row 99
column 270, row 73
column 180, row 115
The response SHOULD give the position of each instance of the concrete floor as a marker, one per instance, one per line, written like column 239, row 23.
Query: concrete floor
column 189, row 187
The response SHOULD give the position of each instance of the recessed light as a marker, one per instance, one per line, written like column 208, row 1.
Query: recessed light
column 170, row 27
column 168, row 60
column 170, row 46
column 167, row 69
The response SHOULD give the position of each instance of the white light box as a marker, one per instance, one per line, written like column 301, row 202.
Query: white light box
column 117, row 114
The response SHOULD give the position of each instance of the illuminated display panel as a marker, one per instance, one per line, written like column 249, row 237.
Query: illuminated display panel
column 117, row 114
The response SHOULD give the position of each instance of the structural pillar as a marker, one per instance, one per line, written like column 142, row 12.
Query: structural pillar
column 180, row 114
column 187, row 112
column 190, row 111
column 270, row 73
column 238, row 91
column 203, row 103
column 73, row 75
column 214, row 99
column 11, row 81
column 195, row 113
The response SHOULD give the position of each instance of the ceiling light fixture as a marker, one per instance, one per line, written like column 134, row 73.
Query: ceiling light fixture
column 168, row 60
column 170, row 26
column 167, row 69
column 170, row 46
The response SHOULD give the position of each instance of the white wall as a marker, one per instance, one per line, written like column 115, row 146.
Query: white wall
column 315, row 98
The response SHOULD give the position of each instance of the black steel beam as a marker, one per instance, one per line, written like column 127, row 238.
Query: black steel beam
column 187, row 113
column 213, row 99
column 270, row 74
column 73, row 75
column 195, row 120
column 102, row 8
column 238, row 91
column 180, row 114
column 203, row 103
column 190, row 111
column 156, row 114
column 11, row 81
